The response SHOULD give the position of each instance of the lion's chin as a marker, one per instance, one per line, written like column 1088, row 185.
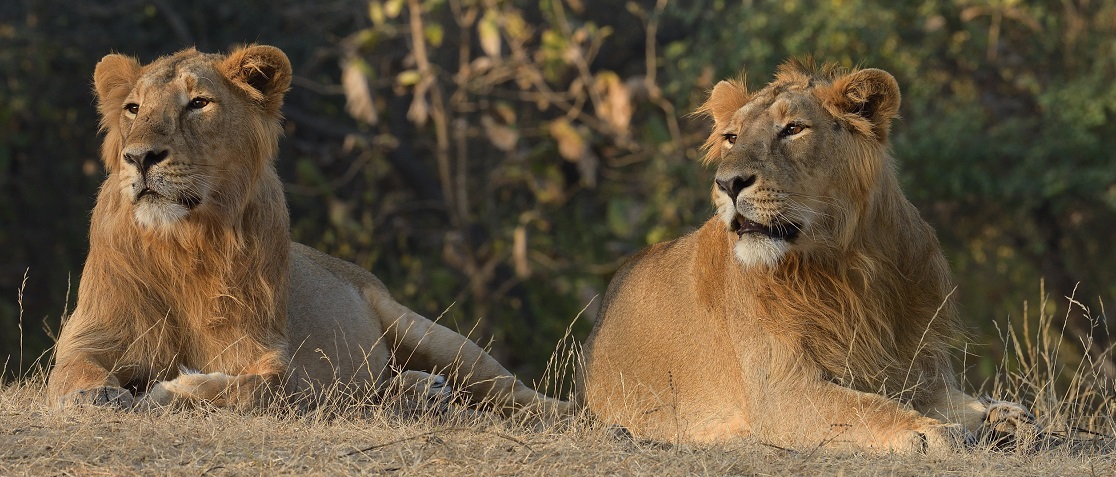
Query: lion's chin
column 757, row 250
column 158, row 215
column 759, row 245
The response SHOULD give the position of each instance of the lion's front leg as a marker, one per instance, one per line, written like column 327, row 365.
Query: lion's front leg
column 82, row 380
column 87, row 384
column 249, row 388
column 240, row 392
column 828, row 415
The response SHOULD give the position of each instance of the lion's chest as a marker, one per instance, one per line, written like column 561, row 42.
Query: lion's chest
column 194, row 331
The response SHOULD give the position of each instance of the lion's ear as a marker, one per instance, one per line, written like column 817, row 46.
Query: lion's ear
column 262, row 71
column 869, row 99
column 724, row 100
column 113, row 79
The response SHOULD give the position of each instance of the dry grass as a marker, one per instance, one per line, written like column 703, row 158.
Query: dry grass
column 383, row 440
column 35, row 440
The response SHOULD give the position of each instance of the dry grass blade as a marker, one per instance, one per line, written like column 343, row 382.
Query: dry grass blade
column 435, row 433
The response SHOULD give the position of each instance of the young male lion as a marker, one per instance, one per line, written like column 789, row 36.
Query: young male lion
column 814, row 309
column 191, row 266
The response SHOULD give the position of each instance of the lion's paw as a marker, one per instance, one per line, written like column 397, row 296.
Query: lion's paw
column 430, row 392
column 156, row 398
column 936, row 438
column 106, row 396
column 420, row 384
column 192, row 388
column 1009, row 424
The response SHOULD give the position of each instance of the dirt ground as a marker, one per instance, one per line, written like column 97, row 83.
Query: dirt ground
column 38, row 440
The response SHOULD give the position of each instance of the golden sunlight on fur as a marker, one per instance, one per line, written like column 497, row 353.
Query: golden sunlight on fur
column 193, row 292
column 813, row 310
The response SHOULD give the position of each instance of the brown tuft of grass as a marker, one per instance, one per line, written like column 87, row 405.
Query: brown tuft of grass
column 1059, row 380
column 388, row 437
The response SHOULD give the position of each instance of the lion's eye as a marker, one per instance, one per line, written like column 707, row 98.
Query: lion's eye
column 792, row 129
column 132, row 108
column 198, row 103
column 729, row 138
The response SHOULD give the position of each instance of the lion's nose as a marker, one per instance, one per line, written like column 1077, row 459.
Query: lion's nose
column 143, row 159
column 734, row 185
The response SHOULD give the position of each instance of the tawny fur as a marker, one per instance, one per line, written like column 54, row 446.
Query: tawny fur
column 191, row 266
column 840, row 337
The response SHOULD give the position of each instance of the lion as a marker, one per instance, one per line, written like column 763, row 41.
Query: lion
column 814, row 309
column 193, row 292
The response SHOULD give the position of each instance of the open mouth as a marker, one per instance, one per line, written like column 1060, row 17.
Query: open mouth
column 786, row 231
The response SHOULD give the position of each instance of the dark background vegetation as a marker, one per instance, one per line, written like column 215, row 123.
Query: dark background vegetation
column 494, row 162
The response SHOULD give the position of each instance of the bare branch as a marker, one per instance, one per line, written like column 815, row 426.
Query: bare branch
column 437, row 112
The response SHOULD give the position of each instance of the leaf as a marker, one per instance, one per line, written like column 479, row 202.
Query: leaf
column 548, row 184
column 503, row 137
column 365, row 39
column 488, row 31
column 376, row 12
column 359, row 102
column 480, row 65
column 504, row 111
column 657, row 234
column 616, row 106
column 408, row 78
column 392, row 8
column 338, row 212
column 571, row 146
column 635, row 9
column 434, row 34
column 516, row 27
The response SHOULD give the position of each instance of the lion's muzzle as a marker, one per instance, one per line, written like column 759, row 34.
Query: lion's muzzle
column 733, row 185
column 143, row 159
column 154, row 185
